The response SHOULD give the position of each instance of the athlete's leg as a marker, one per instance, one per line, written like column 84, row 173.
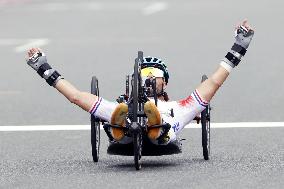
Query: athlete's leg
column 119, row 118
column 155, row 118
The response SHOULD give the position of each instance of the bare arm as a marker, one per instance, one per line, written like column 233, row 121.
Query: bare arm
column 82, row 99
column 208, row 88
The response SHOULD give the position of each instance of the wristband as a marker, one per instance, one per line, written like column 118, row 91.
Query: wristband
column 53, row 78
column 44, row 67
column 232, row 59
column 226, row 66
column 239, row 49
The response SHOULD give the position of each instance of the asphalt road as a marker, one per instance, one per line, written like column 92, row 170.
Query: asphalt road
column 86, row 38
column 241, row 158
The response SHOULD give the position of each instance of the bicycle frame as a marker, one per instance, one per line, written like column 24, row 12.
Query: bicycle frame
column 136, row 122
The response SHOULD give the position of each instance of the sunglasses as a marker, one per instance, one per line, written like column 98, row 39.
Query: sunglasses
column 151, row 72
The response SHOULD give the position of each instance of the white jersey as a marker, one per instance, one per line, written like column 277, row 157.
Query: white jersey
column 184, row 111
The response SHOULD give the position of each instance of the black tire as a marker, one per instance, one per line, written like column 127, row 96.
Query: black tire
column 205, row 125
column 95, row 124
column 135, row 92
column 137, row 139
column 137, row 148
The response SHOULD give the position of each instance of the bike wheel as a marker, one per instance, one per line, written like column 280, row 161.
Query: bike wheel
column 135, row 92
column 95, row 124
column 205, row 125
column 137, row 148
column 137, row 138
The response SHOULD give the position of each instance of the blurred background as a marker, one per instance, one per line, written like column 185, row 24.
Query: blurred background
column 83, row 38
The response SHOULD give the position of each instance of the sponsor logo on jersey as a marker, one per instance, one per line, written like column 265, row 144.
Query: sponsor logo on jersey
column 176, row 127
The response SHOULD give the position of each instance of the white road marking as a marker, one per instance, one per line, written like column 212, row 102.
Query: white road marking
column 87, row 127
column 154, row 8
column 88, row 6
column 60, row 7
column 10, row 92
column 146, row 8
column 45, row 128
column 7, row 42
column 93, row 6
column 32, row 43
column 239, row 125
column 12, row 2
column 56, row 7
column 23, row 44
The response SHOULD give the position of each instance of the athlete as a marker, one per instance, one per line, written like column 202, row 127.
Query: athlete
column 185, row 110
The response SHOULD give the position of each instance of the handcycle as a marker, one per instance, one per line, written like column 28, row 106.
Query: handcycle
column 136, row 126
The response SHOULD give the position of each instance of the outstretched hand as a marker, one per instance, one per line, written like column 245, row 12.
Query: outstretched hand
column 32, row 52
column 33, row 57
column 245, row 24
column 243, row 34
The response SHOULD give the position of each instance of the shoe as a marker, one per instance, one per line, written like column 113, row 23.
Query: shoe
column 118, row 118
column 164, row 140
column 154, row 118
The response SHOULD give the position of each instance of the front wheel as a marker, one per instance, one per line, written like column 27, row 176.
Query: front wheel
column 137, row 135
column 137, row 148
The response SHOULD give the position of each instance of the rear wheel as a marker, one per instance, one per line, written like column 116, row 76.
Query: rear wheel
column 205, row 124
column 95, row 124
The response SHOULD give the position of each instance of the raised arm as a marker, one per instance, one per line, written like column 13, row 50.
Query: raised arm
column 243, row 36
column 37, row 60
